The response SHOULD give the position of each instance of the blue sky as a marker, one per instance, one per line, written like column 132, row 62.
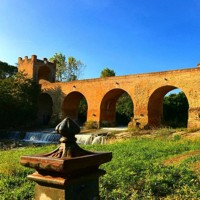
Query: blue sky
column 128, row 36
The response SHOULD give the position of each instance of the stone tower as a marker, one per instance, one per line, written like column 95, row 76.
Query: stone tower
column 37, row 69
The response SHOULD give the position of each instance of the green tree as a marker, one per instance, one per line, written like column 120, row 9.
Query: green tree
column 106, row 72
column 60, row 60
column 73, row 69
column 124, row 109
column 175, row 110
column 7, row 70
column 67, row 70
column 18, row 101
column 82, row 111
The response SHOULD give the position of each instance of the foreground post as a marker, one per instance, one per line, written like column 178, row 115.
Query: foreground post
column 69, row 172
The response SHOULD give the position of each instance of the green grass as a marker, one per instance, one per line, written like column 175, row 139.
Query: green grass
column 135, row 172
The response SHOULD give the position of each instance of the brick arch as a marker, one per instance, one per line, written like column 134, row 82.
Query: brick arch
column 139, row 87
column 155, row 104
column 45, row 108
column 108, row 106
column 71, row 104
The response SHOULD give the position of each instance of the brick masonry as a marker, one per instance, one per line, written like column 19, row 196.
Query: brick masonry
column 146, row 90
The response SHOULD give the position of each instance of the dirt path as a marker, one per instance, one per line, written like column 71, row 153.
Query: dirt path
column 178, row 159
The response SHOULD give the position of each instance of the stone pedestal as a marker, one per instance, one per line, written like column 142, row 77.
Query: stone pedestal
column 85, row 187
column 69, row 172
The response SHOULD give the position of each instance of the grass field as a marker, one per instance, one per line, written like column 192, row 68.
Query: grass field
column 141, row 168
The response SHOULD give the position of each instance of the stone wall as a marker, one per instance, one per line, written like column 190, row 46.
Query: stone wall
column 146, row 90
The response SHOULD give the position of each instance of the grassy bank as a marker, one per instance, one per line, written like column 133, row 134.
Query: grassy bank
column 138, row 170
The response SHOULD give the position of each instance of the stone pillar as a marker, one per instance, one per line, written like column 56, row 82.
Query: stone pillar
column 83, row 187
column 69, row 172
column 194, row 118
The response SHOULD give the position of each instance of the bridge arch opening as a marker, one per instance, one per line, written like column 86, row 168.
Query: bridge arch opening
column 167, row 108
column 44, row 73
column 116, row 108
column 75, row 106
column 45, row 105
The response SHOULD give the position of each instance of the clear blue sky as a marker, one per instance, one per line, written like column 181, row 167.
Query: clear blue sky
column 128, row 36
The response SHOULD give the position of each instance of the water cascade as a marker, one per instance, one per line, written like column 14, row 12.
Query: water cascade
column 84, row 138
column 50, row 136
column 41, row 137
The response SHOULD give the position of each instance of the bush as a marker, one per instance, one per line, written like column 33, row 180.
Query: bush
column 91, row 125
column 18, row 101
column 132, row 127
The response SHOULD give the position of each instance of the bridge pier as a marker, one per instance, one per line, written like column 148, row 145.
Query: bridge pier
column 146, row 90
column 194, row 118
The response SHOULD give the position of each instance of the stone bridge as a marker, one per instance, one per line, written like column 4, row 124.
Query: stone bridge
column 60, row 99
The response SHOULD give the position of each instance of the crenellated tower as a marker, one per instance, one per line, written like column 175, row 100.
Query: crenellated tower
column 37, row 69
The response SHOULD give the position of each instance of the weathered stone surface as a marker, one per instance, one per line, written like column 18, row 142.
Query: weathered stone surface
column 66, row 166
column 69, row 172
column 85, row 187
column 146, row 90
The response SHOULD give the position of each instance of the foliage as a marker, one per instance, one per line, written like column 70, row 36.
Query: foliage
column 7, row 70
column 67, row 70
column 132, row 127
column 124, row 109
column 60, row 60
column 175, row 110
column 74, row 69
column 135, row 172
column 91, row 125
column 139, row 172
column 106, row 72
column 13, row 176
column 82, row 111
column 18, row 101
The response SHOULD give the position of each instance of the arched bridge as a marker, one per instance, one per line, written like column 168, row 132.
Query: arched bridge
column 146, row 91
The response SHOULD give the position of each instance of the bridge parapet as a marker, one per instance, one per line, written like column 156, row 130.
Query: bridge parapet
column 146, row 91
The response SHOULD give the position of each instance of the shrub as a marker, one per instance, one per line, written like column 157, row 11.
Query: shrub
column 132, row 127
column 176, row 137
column 91, row 125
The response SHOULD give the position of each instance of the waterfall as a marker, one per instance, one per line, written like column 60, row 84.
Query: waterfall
column 50, row 136
column 41, row 137
column 84, row 138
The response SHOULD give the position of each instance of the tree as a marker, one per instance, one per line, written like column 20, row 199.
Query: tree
column 106, row 72
column 67, row 70
column 175, row 110
column 18, row 101
column 60, row 60
column 73, row 69
column 124, row 109
column 82, row 111
column 7, row 70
